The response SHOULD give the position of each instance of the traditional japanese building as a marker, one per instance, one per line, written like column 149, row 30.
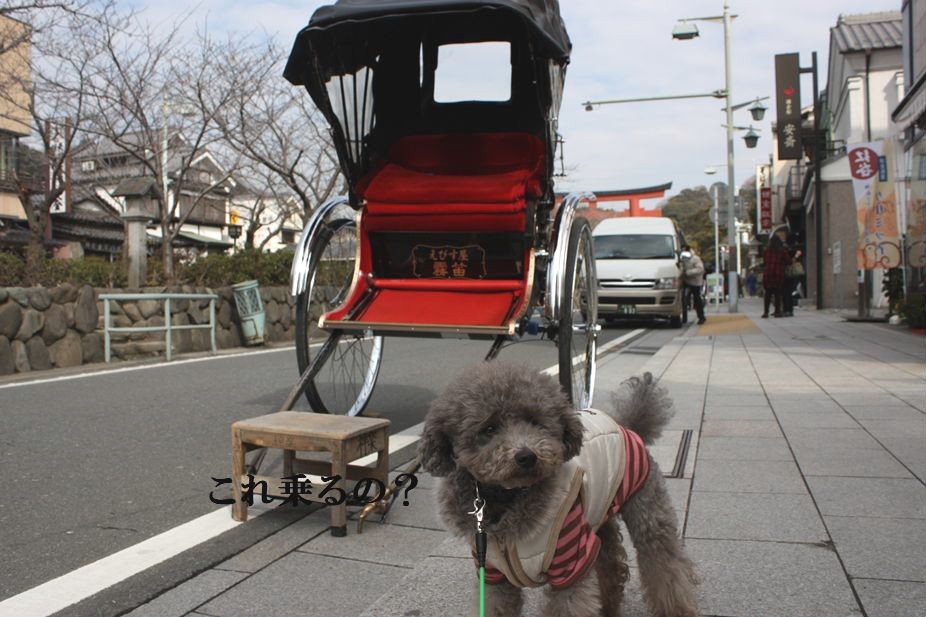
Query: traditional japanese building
column 910, row 116
column 15, row 123
column 864, row 85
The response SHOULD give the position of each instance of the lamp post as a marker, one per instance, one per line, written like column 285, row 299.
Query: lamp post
column 685, row 30
column 740, row 226
column 715, row 189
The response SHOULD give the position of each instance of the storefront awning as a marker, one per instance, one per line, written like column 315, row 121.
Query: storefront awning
column 912, row 107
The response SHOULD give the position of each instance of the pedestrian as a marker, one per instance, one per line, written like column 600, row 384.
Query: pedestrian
column 794, row 272
column 693, row 279
column 752, row 283
column 773, row 274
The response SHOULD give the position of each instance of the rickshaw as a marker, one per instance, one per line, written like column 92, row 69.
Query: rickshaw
column 450, row 226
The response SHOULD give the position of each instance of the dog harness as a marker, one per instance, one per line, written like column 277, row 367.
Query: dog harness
column 612, row 465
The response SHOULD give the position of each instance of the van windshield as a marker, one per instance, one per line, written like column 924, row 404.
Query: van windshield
column 634, row 246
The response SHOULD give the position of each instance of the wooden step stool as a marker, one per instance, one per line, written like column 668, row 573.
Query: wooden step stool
column 346, row 438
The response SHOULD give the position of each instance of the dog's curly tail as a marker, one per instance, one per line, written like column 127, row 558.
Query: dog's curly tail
column 643, row 406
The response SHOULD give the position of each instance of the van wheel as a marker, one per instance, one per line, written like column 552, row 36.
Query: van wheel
column 675, row 321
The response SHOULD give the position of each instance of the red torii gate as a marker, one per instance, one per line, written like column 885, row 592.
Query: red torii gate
column 634, row 196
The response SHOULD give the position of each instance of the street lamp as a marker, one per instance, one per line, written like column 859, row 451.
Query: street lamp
column 684, row 31
column 758, row 110
column 715, row 189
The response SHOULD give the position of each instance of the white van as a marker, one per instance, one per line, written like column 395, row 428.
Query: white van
column 639, row 272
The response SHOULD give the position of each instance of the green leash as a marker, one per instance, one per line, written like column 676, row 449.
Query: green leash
column 482, row 591
column 479, row 505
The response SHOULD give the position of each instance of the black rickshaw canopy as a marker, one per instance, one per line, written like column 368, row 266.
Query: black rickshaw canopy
column 541, row 16
column 369, row 66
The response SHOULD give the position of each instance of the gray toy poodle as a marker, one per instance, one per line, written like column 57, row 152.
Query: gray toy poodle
column 552, row 481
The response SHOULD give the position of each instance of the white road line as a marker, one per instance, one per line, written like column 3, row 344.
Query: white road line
column 74, row 586
column 129, row 369
column 620, row 340
column 77, row 585
column 554, row 370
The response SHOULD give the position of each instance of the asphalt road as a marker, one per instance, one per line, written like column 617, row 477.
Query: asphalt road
column 99, row 462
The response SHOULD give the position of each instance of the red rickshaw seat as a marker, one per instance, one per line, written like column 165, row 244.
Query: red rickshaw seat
column 433, row 184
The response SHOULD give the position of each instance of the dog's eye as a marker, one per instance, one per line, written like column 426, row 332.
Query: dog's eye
column 488, row 430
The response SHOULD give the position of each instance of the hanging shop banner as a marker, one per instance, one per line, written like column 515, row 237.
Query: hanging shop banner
column 916, row 220
column 788, row 104
column 872, row 170
column 765, row 209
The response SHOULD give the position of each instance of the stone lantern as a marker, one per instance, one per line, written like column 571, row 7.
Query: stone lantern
column 140, row 195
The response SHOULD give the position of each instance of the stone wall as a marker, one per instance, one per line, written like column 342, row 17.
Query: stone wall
column 63, row 326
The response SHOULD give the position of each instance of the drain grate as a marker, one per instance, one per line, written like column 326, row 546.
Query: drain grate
column 681, row 456
column 641, row 350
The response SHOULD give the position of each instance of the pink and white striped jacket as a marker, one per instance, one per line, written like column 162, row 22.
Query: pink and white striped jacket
column 592, row 487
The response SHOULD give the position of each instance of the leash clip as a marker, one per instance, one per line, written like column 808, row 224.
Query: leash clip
column 478, row 510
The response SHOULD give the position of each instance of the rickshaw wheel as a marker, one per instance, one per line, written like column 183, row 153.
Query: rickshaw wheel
column 578, row 319
column 345, row 382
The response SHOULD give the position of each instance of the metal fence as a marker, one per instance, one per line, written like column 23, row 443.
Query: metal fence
column 168, row 328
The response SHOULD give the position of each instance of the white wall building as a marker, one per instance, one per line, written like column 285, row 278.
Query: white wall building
column 865, row 84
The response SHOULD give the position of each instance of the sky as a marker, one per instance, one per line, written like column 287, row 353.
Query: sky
column 624, row 49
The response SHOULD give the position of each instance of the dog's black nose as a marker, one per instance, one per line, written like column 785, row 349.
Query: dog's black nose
column 525, row 458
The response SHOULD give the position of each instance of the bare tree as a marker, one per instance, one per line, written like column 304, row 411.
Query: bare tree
column 277, row 130
column 39, row 14
column 43, row 100
column 155, row 101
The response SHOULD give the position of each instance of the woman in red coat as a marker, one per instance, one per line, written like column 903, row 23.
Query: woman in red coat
column 773, row 274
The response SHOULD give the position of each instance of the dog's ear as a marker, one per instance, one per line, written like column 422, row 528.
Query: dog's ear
column 435, row 450
column 572, row 434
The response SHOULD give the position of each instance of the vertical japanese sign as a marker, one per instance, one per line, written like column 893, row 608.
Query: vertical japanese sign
column 788, row 103
column 59, row 134
column 872, row 171
column 765, row 209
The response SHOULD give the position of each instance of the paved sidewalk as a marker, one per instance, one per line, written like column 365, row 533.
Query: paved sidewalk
column 803, row 492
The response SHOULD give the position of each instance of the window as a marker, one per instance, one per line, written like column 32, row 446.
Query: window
column 288, row 236
column 87, row 165
column 7, row 157
column 634, row 246
column 473, row 72
column 115, row 160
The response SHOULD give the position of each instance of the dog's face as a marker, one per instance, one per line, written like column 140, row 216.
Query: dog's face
column 505, row 425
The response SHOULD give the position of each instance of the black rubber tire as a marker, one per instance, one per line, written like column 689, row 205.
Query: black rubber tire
column 578, row 379
column 356, row 352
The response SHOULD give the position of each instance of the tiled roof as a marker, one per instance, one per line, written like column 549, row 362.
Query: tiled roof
column 868, row 31
column 95, row 226
column 15, row 233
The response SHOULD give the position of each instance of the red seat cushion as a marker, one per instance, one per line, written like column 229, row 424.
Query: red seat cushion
column 442, row 307
column 472, row 172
